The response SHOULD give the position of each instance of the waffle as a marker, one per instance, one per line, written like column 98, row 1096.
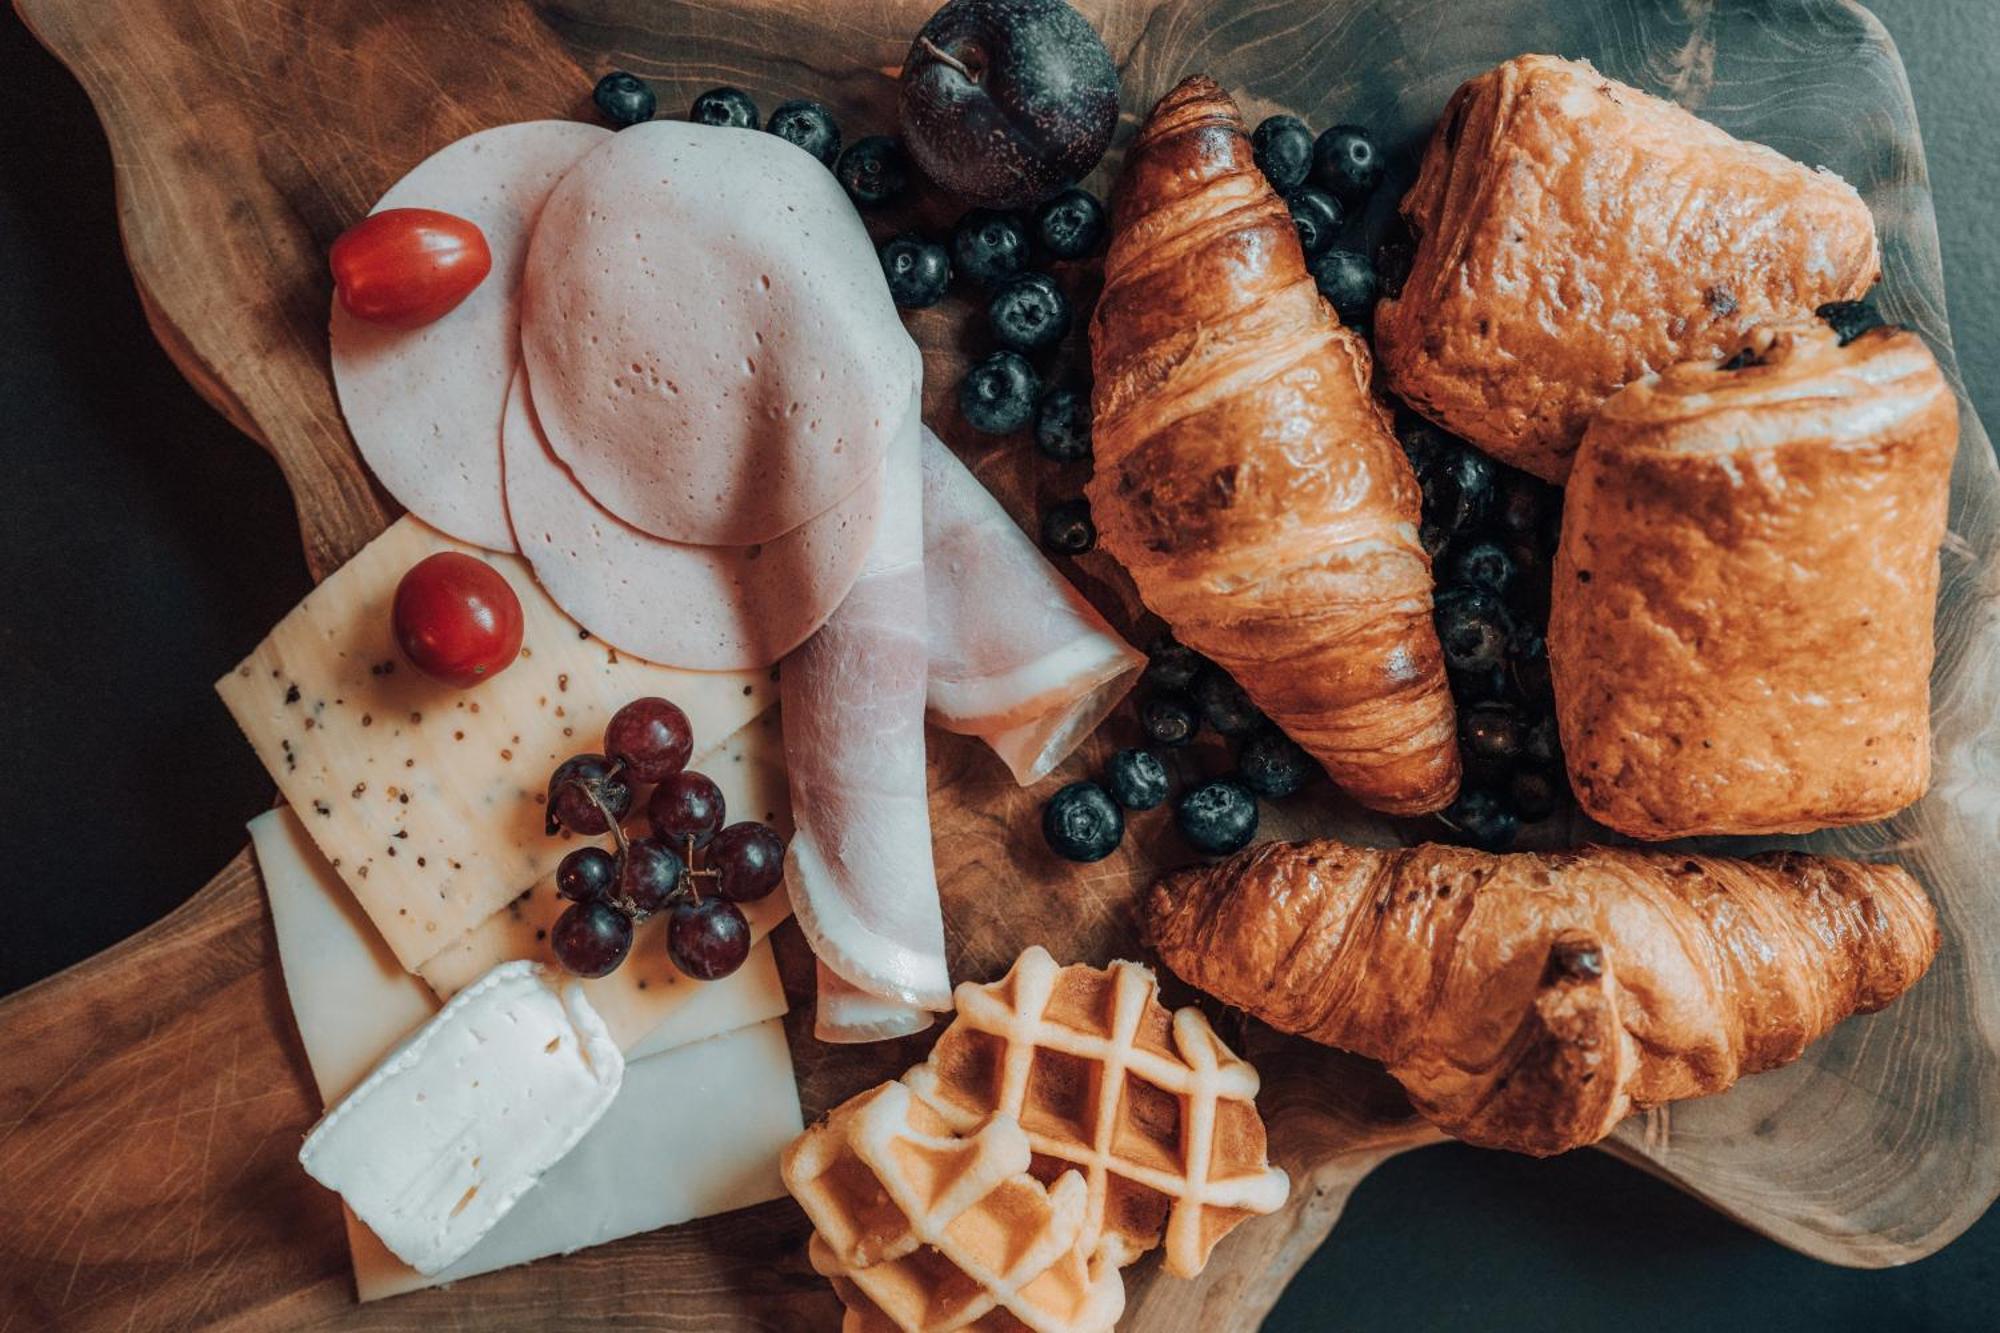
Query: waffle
column 1157, row 1115
column 924, row 1230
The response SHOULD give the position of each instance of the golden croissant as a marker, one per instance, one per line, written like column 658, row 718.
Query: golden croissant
column 1574, row 233
column 1532, row 1001
column 1742, row 605
column 1245, row 475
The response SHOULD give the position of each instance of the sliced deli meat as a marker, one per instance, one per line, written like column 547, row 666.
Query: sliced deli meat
column 859, row 869
column 709, row 339
column 1018, row 657
column 703, row 608
column 424, row 404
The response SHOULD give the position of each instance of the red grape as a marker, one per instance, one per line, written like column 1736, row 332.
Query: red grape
column 651, row 737
column 648, row 875
column 570, row 806
column 591, row 939
column 586, row 874
column 687, row 805
column 708, row 939
column 749, row 860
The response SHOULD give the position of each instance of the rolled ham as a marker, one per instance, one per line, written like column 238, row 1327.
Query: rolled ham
column 859, row 868
column 1018, row 657
column 424, row 404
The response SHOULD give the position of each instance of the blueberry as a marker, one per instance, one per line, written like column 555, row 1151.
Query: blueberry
column 1082, row 823
column 1850, row 319
column 1271, row 764
column 1137, row 779
column 1482, row 565
column 989, row 247
column 1458, row 481
column 1534, row 796
column 1224, row 705
column 998, row 394
column 1523, row 505
column 1427, row 447
column 1071, row 225
column 918, row 271
column 1491, row 733
column 1218, row 817
column 1067, row 529
column 1171, row 664
column 724, row 108
column 1346, row 163
column 1347, row 280
column 1169, row 719
column 1316, row 216
column 1543, row 742
column 1062, row 426
column 623, row 99
column 873, row 171
column 1028, row 313
column 1475, row 687
column 806, row 124
column 1485, row 819
column 1528, row 665
column 1283, row 149
column 1472, row 626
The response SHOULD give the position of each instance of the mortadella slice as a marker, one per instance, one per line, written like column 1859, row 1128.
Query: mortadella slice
column 702, row 608
column 709, row 338
column 424, row 404
column 1018, row 657
column 859, row 868
column 845, row 1014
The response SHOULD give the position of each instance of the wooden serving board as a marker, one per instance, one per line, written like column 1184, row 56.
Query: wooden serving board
column 152, row 1099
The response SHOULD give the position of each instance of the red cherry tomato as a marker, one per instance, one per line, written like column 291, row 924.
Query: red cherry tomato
column 404, row 267
column 457, row 620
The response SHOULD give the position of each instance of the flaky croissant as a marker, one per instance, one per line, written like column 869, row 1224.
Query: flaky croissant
column 1244, row 473
column 1532, row 1001
column 1741, row 626
column 1574, row 233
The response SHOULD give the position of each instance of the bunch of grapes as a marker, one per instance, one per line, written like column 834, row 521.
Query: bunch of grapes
column 693, row 866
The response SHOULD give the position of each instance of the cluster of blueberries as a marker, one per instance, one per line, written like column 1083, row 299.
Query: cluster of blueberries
column 1182, row 693
column 1324, row 182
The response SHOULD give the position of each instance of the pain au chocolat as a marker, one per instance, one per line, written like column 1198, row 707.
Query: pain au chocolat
column 1573, row 234
column 1741, row 626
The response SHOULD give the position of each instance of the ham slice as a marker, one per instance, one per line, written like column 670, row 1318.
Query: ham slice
column 1018, row 657
column 424, row 404
column 859, row 868
column 709, row 338
column 703, row 608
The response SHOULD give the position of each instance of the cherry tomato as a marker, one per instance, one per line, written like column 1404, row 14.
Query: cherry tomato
column 457, row 620
column 404, row 267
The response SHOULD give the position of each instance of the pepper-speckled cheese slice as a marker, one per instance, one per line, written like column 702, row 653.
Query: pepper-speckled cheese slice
column 638, row 1000
column 428, row 801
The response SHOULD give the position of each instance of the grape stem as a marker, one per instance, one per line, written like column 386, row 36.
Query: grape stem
column 694, row 876
column 593, row 794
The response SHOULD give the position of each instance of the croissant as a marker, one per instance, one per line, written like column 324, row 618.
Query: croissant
column 1532, row 1001
column 1574, row 233
column 1740, row 633
column 1245, row 475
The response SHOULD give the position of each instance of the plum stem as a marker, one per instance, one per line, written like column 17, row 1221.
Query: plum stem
column 944, row 57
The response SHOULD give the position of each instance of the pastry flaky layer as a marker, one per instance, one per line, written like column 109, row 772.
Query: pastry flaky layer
column 1246, row 476
column 1532, row 1001
column 1575, row 234
column 1740, row 631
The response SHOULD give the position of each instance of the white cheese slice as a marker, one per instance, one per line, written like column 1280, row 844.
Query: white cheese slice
column 425, row 799
column 440, row 1141
column 647, row 990
column 353, row 1003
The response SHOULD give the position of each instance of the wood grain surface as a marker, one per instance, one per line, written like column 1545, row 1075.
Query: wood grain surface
column 152, row 1099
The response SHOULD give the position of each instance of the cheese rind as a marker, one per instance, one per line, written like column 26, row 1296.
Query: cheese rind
column 457, row 1123
column 426, row 800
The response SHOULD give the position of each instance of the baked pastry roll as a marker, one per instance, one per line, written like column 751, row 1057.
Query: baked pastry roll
column 1245, row 474
column 1741, row 626
column 1574, row 234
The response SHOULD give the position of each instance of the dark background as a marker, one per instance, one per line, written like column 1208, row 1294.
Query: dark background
column 145, row 547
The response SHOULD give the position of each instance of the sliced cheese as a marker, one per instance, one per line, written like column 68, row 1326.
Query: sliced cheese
column 428, row 800
column 353, row 1003
column 647, row 990
column 442, row 1138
